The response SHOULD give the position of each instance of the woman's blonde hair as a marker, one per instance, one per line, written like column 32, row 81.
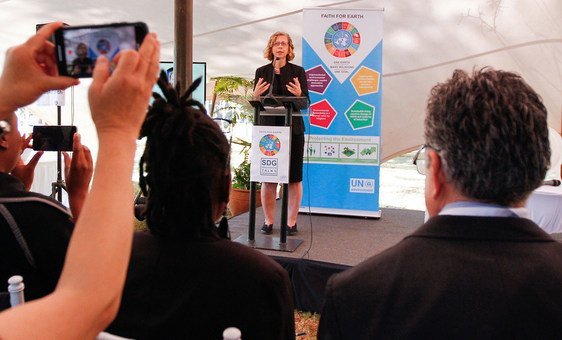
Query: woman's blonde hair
column 268, row 52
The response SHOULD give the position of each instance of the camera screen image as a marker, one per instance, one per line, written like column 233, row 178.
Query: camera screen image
column 53, row 138
column 84, row 46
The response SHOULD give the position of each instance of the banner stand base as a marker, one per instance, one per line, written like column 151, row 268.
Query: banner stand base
column 270, row 243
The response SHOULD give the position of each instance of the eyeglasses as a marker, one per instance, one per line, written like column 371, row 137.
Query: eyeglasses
column 280, row 43
column 420, row 159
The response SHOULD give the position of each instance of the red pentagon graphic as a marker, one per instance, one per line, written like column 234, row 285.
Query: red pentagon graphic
column 322, row 114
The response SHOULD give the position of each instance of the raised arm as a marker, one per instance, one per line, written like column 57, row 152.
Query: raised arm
column 88, row 293
column 30, row 69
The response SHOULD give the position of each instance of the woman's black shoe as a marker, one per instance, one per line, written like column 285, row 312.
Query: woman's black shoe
column 267, row 229
column 292, row 230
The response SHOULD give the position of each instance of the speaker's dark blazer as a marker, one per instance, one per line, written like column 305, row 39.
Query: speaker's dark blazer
column 288, row 72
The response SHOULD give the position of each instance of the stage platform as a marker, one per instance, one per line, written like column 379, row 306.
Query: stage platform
column 337, row 239
column 329, row 245
column 332, row 244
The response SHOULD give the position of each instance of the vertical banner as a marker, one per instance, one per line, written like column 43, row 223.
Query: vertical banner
column 342, row 56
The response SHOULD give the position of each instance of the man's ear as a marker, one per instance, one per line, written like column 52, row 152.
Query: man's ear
column 435, row 172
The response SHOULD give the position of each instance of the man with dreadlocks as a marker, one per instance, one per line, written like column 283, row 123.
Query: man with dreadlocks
column 184, row 280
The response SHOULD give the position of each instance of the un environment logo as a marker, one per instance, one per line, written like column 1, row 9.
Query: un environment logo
column 270, row 145
column 342, row 39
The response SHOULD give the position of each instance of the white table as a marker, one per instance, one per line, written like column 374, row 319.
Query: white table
column 545, row 208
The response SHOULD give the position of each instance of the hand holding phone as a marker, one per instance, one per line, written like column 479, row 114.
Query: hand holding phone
column 53, row 138
column 78, row 47
column 30, row 69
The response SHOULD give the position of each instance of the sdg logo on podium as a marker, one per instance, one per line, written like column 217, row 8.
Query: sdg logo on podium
column 269, row 146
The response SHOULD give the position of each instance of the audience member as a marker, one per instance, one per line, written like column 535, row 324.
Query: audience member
column 88, row 293
column 478, row 269
column 184, row 280
column 35, row 229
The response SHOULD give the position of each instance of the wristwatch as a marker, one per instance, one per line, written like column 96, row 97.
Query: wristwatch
column 4, row 127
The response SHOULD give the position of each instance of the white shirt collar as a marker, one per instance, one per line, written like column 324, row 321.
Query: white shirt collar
column 464, row 208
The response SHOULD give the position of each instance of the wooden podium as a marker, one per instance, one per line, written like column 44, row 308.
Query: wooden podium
column 290, row 105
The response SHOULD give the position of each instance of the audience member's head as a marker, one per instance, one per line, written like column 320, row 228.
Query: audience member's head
column 186, row 161
column 489, row 133
column 10, row 145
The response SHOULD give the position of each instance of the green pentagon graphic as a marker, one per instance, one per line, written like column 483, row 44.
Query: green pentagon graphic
column 360, row 115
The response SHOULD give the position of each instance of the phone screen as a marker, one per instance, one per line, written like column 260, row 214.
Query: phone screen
column 53, row 138
column 79, row 47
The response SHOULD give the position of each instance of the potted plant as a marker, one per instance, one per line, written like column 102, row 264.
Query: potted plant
column 240, row 192
column 235, row 93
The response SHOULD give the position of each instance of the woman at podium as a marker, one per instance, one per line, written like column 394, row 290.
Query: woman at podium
column 279, row 77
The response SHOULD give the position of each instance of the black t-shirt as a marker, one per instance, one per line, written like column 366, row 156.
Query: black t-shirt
column 194, row 289
column 45, row 225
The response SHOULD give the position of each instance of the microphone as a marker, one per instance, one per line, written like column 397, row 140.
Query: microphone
column 272, row 76
column 269, row 98
column 553, row 182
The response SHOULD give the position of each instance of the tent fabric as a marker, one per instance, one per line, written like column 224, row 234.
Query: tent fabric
column 555, row 141
column 424, row 41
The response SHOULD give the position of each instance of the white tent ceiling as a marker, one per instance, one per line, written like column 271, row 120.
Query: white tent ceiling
column 423, row 42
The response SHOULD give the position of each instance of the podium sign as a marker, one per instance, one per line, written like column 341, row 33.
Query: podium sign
column 270, row 154
column 52, row 98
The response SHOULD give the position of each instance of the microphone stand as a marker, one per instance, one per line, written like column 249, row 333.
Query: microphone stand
column 58, row 186
column 269, row 99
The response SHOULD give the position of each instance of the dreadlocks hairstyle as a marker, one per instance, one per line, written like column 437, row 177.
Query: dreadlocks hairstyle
column 184, row 167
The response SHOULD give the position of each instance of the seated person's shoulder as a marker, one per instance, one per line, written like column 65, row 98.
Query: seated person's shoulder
column 242, row 252
column 251, row 260
column 34, row 203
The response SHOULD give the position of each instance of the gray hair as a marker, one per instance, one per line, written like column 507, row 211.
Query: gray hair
column 491, row 132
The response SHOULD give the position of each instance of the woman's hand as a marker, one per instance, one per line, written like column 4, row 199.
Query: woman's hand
column 261, row 87
column 295, row 87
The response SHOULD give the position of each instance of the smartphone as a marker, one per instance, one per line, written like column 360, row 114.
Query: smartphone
column 53, row 138
column 78, row 47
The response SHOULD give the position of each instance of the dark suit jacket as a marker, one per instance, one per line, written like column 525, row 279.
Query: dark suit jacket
column 288, row 72
column 187, row 289
column 456, row 277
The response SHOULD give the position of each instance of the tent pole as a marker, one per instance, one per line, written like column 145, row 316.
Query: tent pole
column 183, row 37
